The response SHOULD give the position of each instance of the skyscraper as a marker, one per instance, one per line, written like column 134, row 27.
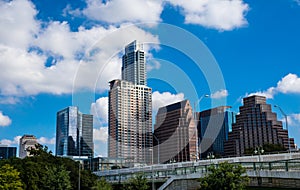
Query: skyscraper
column 176, row 134
column 134, row 64
column 255, row 126
column 26, row 142
column 74, row 133
column 213, row 128
column 130, row 109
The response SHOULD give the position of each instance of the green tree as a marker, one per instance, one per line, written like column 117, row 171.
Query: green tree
column 225, row 176
column 139, row 182
column 57, row 179
column 9, row 178
column 102, row 184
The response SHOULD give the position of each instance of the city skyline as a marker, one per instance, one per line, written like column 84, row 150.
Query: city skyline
column 44, row 45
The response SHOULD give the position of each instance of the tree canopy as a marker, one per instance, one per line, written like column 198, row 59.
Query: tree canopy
column 42, row 170
column 9, row 178
column 138, row 182
column 224, row 176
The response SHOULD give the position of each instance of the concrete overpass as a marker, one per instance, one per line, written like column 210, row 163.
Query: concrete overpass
column 260, row 168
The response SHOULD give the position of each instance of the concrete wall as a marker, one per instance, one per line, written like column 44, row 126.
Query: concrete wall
column 193, row 184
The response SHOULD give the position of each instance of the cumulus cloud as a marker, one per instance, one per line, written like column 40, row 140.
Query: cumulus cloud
column 101, row 134
column 289, row 84
column 99, row 109
column 118, row 11
column 220, row 15
column 164, row 99
column 8, row 142
column 45, row 140
column 294, row 119
column 4, row 120
column 153, row 64
column 37, row 64
column 219, row 94
column 18, row 24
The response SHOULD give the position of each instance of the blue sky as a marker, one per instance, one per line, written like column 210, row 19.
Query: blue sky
column 58, row 53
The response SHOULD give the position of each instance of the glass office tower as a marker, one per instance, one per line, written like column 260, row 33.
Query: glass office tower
column 213, row 128
column 7, row 152
column 74, row 133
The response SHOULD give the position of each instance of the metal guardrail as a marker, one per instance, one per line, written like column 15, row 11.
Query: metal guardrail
column 162, row 172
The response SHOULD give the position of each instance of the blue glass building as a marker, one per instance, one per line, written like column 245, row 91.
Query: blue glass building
column 74, row 133
column 7, row 152
column 213, row 128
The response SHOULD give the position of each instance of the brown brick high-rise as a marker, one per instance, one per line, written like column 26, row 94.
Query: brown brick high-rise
column 255, row 126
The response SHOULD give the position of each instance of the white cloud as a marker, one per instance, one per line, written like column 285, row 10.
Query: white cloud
column 268, row 93
column 4, row 120
column 8, row 142
column 289, row 84
column 45, row 140
column 118, row 11
column 101, row 134
column 17, row 23
column 99, row 110
column 218, row 14
column 153, row 64
column 294, row 119
column 219, row 94
column 37, row 64
column 164, row 99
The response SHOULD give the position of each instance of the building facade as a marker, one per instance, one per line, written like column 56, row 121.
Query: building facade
column 134, row 64
column 213, row 128
column 130, row 110
column 175, row 134
column 26, row 142
column 7, row 152
column 74, row 133
column 255, row 126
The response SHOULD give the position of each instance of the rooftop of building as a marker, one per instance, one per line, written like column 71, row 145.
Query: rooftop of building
column 172, row 107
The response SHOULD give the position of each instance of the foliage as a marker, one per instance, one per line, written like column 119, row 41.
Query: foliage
column 102, row 184
column 139, row 182
column 44, row 171
column 225, row 176
column 273, row 148
column 57, row 178
column 268, row 148
column 9, row 178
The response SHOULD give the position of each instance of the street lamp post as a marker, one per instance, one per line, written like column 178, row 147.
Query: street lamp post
column 210, row 156
column 286, row 124
column 259, row 150
column 197, row 104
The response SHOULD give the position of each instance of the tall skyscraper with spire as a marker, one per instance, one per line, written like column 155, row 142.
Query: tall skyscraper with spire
column 130, row 109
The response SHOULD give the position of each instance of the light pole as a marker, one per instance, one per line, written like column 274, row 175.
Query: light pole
column 286, row 125
column 196, row 104
column 210, row 156
column 259, row 150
